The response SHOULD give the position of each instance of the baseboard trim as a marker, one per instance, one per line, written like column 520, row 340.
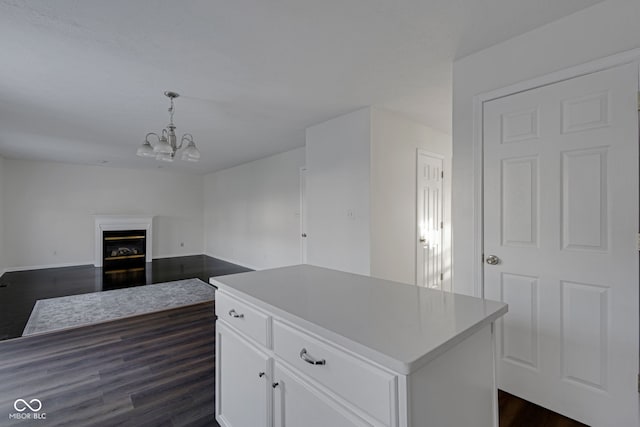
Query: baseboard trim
column 42, row 267
column 234, row 261
column 176, row 255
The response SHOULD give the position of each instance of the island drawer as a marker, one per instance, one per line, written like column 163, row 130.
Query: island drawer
column 244, row 317
column 360, row 383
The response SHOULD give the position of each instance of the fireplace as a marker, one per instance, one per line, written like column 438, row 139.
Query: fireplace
column 121, row 249
column 123, row 223
column 123, row 258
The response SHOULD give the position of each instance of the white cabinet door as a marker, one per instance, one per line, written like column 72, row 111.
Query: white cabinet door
column 243, row 388
column 561, row 217
column 297, row 403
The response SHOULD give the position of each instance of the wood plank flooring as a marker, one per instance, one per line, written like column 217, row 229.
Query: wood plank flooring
column 516, row 412
column 151, row 370
column 20, row 290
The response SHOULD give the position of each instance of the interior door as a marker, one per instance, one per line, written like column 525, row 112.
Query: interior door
column 303, row 215
column 430, row 200
column 560, row 224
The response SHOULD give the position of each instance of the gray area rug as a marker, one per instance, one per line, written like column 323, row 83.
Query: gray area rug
column 79, row 310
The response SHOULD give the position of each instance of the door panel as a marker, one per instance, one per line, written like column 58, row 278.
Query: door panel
column 584, row 199
column 585, row 333
column 561, row 214
column 520, row 201
column 520, row 335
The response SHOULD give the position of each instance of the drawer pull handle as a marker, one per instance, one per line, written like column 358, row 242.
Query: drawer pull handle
column 305, row 356
column 233, row 313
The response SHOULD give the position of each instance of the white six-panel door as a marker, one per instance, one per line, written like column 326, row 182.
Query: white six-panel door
column 430, row 200
column 561, row 217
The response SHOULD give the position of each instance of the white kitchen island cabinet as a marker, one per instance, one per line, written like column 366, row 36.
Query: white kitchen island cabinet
column 308, row 346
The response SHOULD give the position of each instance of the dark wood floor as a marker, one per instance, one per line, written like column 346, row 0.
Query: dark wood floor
column 20, row 290
column 151, row 370
column 516, row 412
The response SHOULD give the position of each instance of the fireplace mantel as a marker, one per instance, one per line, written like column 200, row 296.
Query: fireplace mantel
column 121, row 222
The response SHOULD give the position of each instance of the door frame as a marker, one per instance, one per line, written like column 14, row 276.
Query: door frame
column 627, row 57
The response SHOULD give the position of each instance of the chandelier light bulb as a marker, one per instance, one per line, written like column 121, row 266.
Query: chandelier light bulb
column 146, row 150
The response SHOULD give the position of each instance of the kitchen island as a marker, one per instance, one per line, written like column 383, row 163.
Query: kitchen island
column 310, row 346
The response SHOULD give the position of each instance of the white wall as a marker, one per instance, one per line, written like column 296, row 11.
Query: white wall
column 338, row 202
column 394, row 144
column 48, row 210
column 3, row 261
column 604, row 29
column 252, row 212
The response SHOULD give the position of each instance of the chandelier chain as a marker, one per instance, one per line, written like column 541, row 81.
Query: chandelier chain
column 171, row 111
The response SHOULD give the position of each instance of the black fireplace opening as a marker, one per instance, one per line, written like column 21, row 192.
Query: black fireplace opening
column 124, row 258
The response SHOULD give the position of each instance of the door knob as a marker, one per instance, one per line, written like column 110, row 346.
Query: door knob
column 493, row 260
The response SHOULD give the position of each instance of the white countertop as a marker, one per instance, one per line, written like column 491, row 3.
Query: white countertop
column 399, row 326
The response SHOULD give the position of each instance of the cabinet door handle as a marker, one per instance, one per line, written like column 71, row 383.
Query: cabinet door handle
column 261, row 374
column 305, row 356
column 274, row 385
column 233, row 313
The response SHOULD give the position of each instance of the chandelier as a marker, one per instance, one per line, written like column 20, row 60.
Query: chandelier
column 167, row 146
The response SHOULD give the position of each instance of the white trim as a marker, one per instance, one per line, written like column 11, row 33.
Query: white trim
column 122, row 222
column 44, row 266
column 177, row 255
column 4, row 270
column 478, row 197
column 235, row 261
column 590, row 67
column 565, row 74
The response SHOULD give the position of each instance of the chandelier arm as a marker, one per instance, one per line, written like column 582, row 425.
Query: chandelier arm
column 146, row 138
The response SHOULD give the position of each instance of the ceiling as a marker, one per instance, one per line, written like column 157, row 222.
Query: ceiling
column 82, row 81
